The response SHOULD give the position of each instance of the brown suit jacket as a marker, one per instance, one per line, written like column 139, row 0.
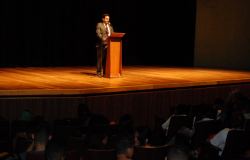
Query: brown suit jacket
column 102, row 33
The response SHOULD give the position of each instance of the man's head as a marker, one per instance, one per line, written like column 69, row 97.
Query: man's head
column 105, row 18
column 124, row 145
column 178, row 152
column 42, row 133
column 238, row 120
column 180, row 109
column 56, row 149
column 142, row 136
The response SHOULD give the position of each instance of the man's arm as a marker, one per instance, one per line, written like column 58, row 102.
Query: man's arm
column 99, row 32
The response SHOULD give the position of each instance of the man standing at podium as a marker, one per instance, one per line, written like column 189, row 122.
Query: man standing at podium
column 103, row 30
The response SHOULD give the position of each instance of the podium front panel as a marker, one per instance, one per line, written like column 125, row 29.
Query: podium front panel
column 115, row 57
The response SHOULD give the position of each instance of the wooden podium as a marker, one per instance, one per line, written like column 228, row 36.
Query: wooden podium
column 114, row 56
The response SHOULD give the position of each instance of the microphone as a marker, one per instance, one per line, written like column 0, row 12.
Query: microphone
column 110, row 24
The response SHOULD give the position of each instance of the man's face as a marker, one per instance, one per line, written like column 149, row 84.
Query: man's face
column 130, row 152
column 105, row 20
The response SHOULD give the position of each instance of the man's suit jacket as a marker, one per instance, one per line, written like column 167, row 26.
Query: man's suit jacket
column 102, row 34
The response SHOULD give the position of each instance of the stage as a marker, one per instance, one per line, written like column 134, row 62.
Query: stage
column 68, row 81
column 143, row 91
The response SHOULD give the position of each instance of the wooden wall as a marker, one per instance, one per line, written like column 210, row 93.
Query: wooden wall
column 142, row 105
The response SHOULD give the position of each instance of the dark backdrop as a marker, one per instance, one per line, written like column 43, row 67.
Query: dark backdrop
column 62, row 32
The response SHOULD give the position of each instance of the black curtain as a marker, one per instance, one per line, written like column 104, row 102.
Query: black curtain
column 62, row 32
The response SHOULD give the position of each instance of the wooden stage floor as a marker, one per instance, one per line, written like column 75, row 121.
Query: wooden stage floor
column 53, row 81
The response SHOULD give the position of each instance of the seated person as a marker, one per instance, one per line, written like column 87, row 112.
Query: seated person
column 26, row 116
column 142, row 136
column 97, row 139
column 178, row 152
column 180, row 110
column 126, row 124
column 219, row 139
column 42, row 133
column 56, row 149
column 218, row 105
column 124, row 146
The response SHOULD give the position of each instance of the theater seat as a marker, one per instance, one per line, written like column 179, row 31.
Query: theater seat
column 149, row 153
column 92, row 154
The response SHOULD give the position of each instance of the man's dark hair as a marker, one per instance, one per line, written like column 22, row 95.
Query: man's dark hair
column 56, row 149
column 104, row 15
column 238, row 120
column 94, row 139
column 218, row 101
column 83, row 111
column 42, row 132
column 178, row 152
column 123, row 142
column 144, row 133
column 181, row 109
column 126, row 124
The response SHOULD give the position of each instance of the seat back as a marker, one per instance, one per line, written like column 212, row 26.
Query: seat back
column 203, row 130
column 73, row 155
column 247, row 123
column 75, row 143
column 149, row 153
column 159, row 122
column 4, row 130
column 34, row 156
column 22, row 145
column 176, row 122
column 19, row 126
column 111, row 129
column 99, row 154
column 238, row 142
column 66, row 131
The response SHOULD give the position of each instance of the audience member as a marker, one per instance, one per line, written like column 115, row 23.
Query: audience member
column 26, row 116
column 83, row 111
column 178, row 152
column 180, row 110
column 142, row 136
column 219, row 139
column 96, row 139
column 218, row 105
column 124, row 146
column 126, row 124
column 42, row 133
column 56, row 149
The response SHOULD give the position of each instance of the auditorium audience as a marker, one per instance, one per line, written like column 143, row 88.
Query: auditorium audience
column 142, row 136
column 178, row 152
column 124, row 146
column 42, row 133
column 56, row 149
